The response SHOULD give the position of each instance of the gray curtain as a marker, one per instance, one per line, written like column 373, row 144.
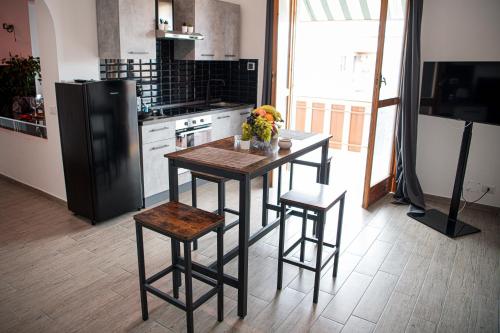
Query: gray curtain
column 408, row 188
column 268, row 54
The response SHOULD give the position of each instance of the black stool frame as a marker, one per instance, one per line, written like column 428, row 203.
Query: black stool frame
column 320, row 219
column 191, row 270
column 313, row 165
column 221, row 201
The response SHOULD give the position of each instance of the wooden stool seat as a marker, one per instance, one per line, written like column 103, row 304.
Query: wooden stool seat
column 180, row 221
column 209, row 177
column 313, row 197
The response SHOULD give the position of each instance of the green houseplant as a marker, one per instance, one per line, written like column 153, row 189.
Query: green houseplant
column 17, row 82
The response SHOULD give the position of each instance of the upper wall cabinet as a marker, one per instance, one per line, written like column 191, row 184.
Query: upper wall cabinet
column 126, row 29
column 218, row 21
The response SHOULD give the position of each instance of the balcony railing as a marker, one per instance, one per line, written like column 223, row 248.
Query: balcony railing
column 348, row 121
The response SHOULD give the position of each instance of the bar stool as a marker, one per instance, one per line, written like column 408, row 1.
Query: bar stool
column 318, row 198
column 312, row 159
column 221, row 197
column 182, row 223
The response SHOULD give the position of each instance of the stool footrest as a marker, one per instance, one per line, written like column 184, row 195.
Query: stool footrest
column 311, row 268
column 197, row 275
column 205, row 297
column 298, row 264
column 164, row 296
column 314, row 240
column 231, row 211
column 160, row 274
column 174, row 301
column 231, row 225
column 290, row 249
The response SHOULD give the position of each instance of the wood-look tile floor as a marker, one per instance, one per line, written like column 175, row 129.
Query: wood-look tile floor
column 60, row 274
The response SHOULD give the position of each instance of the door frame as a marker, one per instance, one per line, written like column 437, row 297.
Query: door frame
column 373, row 193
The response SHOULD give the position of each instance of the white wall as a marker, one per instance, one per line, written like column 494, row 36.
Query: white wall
column 459, row 30
column 253, row 35
column 68, row 49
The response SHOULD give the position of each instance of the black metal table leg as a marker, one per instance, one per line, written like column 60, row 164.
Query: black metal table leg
column 281, row 246
column 290, row 184
column 173, row 182
column 339, row 236
column 189, row 287
column 328, row 169
column 220, row 274
column 244, row 234
column 142, row 271
column 317, row 274
column 194, row 203
column 278, row 195
column 221, row 198
column 324, row 161
column 265, row 198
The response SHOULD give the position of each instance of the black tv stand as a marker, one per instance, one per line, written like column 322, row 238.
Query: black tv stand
column 449, row 225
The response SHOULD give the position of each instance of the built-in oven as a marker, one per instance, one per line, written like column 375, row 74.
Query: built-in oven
column 192, row 132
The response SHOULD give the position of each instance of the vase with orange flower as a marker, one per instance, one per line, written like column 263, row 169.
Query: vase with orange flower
column 262, row 127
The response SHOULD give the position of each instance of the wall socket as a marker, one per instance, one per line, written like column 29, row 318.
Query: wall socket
column 250, row 66
column 484, row 188
column 478, row 187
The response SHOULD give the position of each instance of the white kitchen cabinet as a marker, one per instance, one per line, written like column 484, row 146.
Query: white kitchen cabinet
column 228, row 123
column 221, row 125
column 155, row 166
column 126, row 29
column 158, row 132
column 237, row 119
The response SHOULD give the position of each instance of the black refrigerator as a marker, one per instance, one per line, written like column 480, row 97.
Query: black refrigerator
column 100, row 147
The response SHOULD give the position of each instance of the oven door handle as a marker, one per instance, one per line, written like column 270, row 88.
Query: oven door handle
column 183, row 134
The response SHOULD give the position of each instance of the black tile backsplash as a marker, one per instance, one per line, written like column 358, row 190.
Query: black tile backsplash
column 166, row 81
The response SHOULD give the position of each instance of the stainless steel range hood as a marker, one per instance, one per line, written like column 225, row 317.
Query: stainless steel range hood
column 178, row 35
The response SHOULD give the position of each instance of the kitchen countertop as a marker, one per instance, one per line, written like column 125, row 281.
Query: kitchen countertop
column 160, row 119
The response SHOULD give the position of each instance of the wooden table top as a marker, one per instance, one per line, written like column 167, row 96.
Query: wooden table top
column 225, row 155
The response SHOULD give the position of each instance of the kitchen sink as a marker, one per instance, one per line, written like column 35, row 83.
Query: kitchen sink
column 224, row 104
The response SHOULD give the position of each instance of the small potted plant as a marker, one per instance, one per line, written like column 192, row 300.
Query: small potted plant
column 163, row 25
column 262, row 126
column 190, row 29
column 184, row 28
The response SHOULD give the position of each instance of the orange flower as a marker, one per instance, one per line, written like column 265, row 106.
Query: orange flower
column 261, row 112
column 269, row 117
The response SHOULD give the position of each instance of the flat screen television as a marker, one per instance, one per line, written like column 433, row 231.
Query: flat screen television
column 467, row 91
